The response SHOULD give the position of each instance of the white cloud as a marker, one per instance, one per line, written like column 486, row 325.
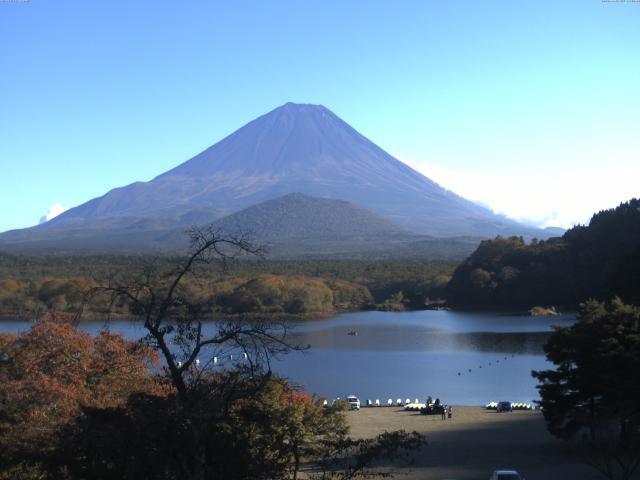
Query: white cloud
column 544, row 199
column 54, row 210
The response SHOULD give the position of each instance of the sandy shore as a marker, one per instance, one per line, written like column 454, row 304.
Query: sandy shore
column 474, row 443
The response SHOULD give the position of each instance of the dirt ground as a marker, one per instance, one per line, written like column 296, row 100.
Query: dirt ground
column 474, row 443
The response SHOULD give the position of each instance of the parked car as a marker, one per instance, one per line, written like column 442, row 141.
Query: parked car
column 504, row 407
column 354, row 402
column 506, row 475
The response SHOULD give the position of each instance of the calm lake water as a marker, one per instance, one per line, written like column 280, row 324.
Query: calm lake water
column 462, row 358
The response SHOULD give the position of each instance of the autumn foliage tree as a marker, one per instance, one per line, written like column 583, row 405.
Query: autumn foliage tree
column 295, row 423
column 262, row 429
column 51, row 372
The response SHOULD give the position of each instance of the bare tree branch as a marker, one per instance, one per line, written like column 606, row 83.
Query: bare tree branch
column 174, row 323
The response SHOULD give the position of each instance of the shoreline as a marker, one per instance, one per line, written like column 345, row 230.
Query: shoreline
column 282, row 317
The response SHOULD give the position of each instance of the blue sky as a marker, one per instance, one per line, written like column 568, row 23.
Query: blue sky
column 528, row 107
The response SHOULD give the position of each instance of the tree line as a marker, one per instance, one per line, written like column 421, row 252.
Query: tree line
column 35, row 287
column 600, row 261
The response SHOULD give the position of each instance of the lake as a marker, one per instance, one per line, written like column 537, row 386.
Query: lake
column 463, row 358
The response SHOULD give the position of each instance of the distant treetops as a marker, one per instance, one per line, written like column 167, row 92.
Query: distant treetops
column 600, row 261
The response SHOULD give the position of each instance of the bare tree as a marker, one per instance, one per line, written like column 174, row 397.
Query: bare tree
column 173, row 321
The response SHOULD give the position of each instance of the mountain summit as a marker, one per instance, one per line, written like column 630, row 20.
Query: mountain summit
column 294, row 148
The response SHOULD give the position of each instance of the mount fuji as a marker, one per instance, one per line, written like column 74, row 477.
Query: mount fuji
column 295, row 148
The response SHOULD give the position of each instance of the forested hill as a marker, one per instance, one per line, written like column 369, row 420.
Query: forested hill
column 296, row 216
column 598, row 261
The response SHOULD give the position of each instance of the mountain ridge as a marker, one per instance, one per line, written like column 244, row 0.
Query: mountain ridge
column 291, row 226
column 294, row 148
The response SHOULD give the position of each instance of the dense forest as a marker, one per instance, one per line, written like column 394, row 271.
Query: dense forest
column 36, row 286
column 598, row 261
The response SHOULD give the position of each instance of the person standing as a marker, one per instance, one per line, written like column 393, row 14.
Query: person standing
column 449, row 411
column 444, row 412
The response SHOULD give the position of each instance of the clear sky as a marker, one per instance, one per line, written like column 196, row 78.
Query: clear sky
column 530, row 107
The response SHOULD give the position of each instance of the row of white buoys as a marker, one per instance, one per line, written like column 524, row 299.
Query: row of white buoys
column 216, row 359
column 514, row 406
column 416, row 405
column 398, row 402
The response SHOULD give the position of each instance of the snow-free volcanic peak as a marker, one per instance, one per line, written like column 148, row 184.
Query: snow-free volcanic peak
column 294, row 148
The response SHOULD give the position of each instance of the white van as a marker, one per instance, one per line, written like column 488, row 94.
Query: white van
column 354, row 402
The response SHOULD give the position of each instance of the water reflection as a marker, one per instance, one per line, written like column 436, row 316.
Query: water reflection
column 463, row 358
column 403, row 339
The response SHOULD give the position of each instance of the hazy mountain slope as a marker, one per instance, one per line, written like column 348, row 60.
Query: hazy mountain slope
column 297, row 148
column 291, row 226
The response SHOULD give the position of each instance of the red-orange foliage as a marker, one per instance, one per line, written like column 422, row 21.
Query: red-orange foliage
column 296, row 397
column 50, row 372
